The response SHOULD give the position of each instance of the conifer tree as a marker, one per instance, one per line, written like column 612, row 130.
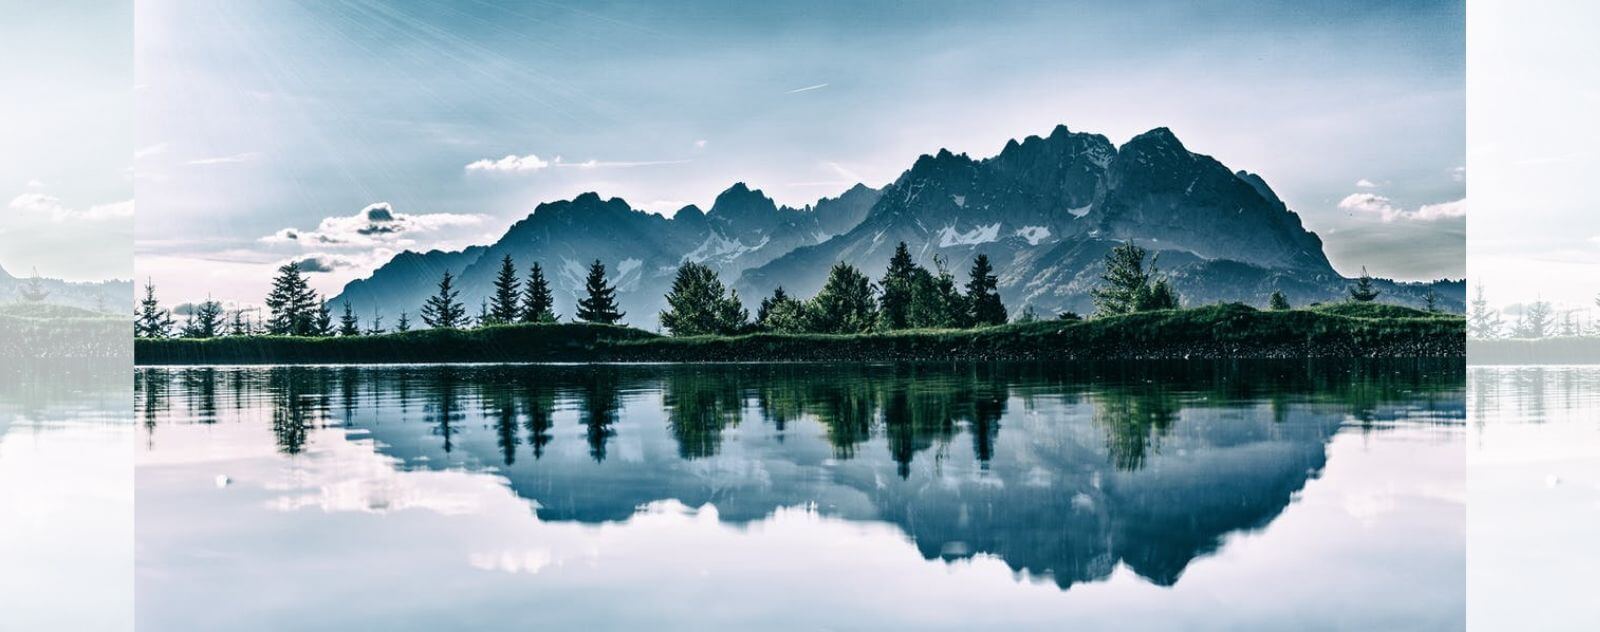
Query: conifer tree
column 1125, row 279
column 205, row 320
column 700, row 305
column 484, row 317
column 983, row 294
column 845, row 305
column 504, row 308
column 1277, row 302
column 403, row 324
column 1363, row 291
column 292, row 304
column 239, row 326
column 376, row 327
column 894, row 302
column 1484, row 323
column 1430, row 301
column 150, row 321
column 323, row 324
column 782, row 314
column 600, row 306
column 538, row 305
column 349, row 325
column 442, row 310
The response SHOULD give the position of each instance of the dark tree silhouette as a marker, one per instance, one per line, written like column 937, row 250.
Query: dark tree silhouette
column 442, row 310
column 538, row 305
column 983, row 294
column 503, row 307
column 600, row 306
column 150, row 321
column 1363, row 291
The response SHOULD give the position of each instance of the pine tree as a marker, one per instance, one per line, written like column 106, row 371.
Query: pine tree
column 538, row 305
column 33, row 291
column 504, row 308
column 239, row 326
column 1158, row 295
column 292, row 303
column 894, row 303
column 699, row 304
column 781, row 314
column 349, row 325
column 1125, row 279
column 1362, row 291
column 205, row 320
column 322, row 325
column 600, row 306
column 845, row 305
column 150, row 321
column 1536, row 321
column 983, row 294
column 1430, row 301
column 443, row 311
column 484, row 317
column 1277, row 302
column 1484, row 323
column 404, row 324
column 377, row 325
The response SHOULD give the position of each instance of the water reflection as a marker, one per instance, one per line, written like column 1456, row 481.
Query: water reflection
column 1061, row 472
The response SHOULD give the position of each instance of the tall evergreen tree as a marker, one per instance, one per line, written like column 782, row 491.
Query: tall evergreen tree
column 205, row 320
column 700, row 305
column 403, row 324
column 538, row 305
column 781, row 314
column 1124, row 280
column 845, row 305
column 504, row 308
column 239, row 326
column 1430, row 301
column 442, row 310
column 376, row 327
column 1537, row 321
column 894, row 302
column 1158, row 295
column 1277, row 302
column 484, row 317
column 1363, row 291
column 349, row 325
column 600, row 306
column 150, row 321
column 292, row 304
column 983, row 294
column 1483, row 322
column 323, row 323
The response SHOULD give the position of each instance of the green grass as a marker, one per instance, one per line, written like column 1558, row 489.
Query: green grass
column 32, row 330
column 1218, row 331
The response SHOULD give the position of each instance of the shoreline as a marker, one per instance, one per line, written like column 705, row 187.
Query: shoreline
column 1221, row 332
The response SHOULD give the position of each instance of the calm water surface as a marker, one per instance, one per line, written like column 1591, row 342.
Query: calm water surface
column 1135, row 496
column 66, row 496
column 1534, row 478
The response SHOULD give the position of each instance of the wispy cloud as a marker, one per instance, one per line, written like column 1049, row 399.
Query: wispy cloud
column 615, row 164
column 807, row 88
column 226, row 160
column 55, row 210
column 1386, row 210
column 1366, row 184
column 510, row 163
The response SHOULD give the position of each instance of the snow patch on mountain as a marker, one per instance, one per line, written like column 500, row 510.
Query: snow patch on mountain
column 960, row 200
column 1080, row 211
column 1034, row 234
column 949, row 237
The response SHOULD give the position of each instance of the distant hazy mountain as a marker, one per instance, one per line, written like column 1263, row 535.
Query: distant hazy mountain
column 1045, row 210
column 113, row 296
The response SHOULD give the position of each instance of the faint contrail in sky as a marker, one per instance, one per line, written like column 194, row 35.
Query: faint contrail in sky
column 807, row 88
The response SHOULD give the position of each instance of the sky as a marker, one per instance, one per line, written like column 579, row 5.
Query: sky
column 1533, row 150
column 66, row 144
column 266, row 130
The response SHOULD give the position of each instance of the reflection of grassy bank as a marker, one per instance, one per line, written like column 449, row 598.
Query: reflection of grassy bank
column 1221, row 331
column 1560, row 350
column 37, row 331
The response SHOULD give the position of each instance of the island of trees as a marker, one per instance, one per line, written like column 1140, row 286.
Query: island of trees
column 906, row 301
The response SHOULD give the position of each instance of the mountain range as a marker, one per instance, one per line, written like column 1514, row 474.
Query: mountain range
column 102, row 296
column 1045, row 210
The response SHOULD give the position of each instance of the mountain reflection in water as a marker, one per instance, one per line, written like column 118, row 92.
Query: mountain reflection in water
column 1062, row 471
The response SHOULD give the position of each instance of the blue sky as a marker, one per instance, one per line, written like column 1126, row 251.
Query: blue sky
column 261, row 117
column 66, row 168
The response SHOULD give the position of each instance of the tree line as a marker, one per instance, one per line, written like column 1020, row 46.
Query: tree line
column 1538, row 319
column 907, row 296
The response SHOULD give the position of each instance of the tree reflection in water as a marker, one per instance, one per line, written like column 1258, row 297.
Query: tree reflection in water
column 1145, row 464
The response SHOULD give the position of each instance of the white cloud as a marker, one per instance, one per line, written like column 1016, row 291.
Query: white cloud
column 376, row 224
column 35, row 184
column 807, row 88
column 226, row 160
column 1388, row 211
column 1458, row 174
column 1366, row 184
column 700, row 144
column 510, row 163
column 45, row 204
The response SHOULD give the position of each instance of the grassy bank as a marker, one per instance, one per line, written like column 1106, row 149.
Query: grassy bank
column 35, row 331
column 1221, row 331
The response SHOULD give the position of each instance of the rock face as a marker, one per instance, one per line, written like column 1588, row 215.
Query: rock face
column 1045, row 210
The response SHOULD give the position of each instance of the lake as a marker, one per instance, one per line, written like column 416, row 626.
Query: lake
column 1533, row 460
column 1225, row 496
column 66, row 495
